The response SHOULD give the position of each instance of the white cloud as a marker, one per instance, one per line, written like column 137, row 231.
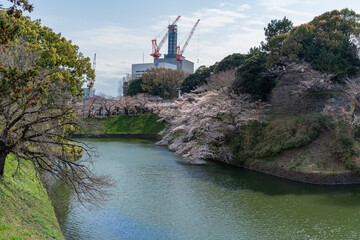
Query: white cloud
column 117, row 48
column 254, row 22
column 290, row 12
column 243, row 7
column 277, row 3
column 211, row 19
column 110, row 37
column 226, row 4
column 236, row 6
column 284, row 7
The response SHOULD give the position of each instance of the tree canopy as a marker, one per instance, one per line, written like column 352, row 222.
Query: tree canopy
column 162, row 82
column 327, row 42
column 8, row 27
column 18, row 6
column 197, row 79
column 41, row 75
column 135, row 87
column 230, row 62
column 276, row 27
column 252, row 77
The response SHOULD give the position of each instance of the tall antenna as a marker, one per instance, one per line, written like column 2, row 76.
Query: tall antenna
column 92, row 81
column 198, row 57
column 94, row 62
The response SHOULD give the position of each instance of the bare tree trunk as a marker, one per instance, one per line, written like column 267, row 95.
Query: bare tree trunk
column 3, row 155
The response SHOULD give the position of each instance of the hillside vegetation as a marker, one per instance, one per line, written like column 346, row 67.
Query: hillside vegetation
column 25, row 210
column 289, row 107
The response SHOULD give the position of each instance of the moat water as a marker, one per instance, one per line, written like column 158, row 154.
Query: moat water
column 158, row 197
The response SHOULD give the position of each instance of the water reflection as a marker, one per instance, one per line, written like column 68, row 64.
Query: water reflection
column 157, row 197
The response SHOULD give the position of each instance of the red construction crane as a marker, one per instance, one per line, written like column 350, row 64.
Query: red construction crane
column 180, row 52
column 156, row 48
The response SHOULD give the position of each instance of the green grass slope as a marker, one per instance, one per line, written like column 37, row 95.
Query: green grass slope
column 133, row 124
column 25, row 209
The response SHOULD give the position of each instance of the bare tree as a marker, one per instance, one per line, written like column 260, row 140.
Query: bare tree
column 122, row 82
column 141, row 102
column 127, row 104
column 221, row 80
column 107, row 103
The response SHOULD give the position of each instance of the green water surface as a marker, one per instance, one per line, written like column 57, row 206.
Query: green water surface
column 158, row 197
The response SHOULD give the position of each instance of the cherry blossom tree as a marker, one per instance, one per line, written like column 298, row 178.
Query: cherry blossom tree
column 106, row 103
column 201, row 123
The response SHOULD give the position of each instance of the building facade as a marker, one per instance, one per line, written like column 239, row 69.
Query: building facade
column 138, row 69
column 88, row 93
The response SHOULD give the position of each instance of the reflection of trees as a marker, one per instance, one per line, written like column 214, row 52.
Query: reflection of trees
column 60, row 196
column 234, row 179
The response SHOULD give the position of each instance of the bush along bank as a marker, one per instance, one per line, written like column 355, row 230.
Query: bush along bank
column 137, row 125
column 25, row 209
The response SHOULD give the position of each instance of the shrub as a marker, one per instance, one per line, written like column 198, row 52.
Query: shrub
column 344, row 148
column 252, row 77
column 264, row 140
column 230, row 62
column 197, row 79
column 135, row 87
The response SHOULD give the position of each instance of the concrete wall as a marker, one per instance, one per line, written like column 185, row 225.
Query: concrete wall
column 184, row 65
column 138, row 69
column 188, row 66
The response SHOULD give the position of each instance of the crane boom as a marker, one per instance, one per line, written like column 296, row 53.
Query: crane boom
column 156, row 48
column 180, row 52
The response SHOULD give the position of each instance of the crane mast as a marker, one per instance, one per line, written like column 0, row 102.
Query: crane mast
column 155, row 47
column 180, row 52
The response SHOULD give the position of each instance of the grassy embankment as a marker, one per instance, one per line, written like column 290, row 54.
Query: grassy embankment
column 132, row 124
column 302, row 143
column 25, row 209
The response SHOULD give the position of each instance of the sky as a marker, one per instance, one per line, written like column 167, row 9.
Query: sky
column 120, row 31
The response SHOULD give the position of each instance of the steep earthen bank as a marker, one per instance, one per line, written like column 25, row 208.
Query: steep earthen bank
column 304, row 91
column 25, row 209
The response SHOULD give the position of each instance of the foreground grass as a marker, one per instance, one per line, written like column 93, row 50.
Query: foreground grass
column 133, row 124
column 25, row 210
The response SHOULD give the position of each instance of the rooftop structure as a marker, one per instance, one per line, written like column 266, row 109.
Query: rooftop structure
column 174, row 59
